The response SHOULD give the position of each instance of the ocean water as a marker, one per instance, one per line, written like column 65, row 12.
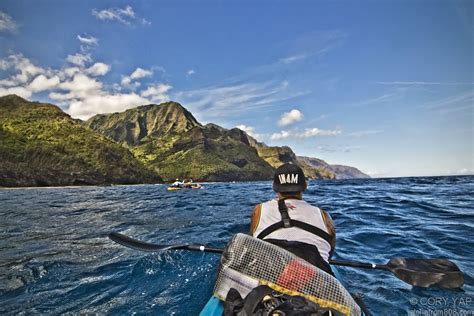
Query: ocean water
column 55, row 256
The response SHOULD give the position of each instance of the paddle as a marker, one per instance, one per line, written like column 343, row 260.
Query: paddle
column 417, row 272
column 145, row 246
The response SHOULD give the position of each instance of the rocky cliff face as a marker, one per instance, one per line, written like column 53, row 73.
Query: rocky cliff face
column 346, row 172
column 339, row 171
column 169, row 139
column 40, row 145
column 276, row 156
column 144, row 123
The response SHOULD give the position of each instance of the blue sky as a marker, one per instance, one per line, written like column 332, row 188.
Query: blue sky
column 385, row 86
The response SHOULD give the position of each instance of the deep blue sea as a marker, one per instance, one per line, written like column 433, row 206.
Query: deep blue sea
column 55, row 256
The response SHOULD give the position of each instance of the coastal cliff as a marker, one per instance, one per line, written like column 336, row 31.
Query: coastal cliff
column 40, row 145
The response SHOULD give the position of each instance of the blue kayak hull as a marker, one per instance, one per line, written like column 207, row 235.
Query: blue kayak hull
column 214, row 307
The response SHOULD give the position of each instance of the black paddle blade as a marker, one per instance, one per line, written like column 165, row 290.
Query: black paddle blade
column 427, row 272
column 141, row 245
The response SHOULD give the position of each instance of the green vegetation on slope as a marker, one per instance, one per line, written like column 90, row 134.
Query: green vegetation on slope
column 168, row 139
column 41, row 145
column 340, row 171
column 276, row 156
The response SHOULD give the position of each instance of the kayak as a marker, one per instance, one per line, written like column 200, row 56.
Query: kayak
column 192, row 186
column 249, row 262
column 215, row 307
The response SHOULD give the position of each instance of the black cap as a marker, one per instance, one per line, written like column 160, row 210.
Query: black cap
column 289, row 178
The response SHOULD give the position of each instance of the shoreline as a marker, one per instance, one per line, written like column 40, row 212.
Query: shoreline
column 214, row 182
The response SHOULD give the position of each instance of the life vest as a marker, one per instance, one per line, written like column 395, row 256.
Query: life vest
column 294, row 220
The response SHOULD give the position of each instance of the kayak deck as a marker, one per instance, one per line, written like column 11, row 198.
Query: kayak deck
column 215, row 307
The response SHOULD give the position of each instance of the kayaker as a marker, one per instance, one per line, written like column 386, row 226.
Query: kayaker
column 177, row 184
column 293, row 224
column 188, row 183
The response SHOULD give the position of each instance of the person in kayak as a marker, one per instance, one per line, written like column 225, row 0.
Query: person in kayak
column 177, row 184
column 187, row 183
column 293, row 224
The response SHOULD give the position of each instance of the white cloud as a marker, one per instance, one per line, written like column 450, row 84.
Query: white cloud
column 91, row 40
column 41, row 83
column 98, row 69
column 230, row 100
column 141, row 73
column 127, row 82
column 360, row 134
column 338, row 149
column 69, row 72
column 25, row 72
column 61, row 97
column 7, row 24
column 190, row 72
column 458, row 102
column 293, row 58
column 125, row 16
column 422, row 83
column 250, row 130
column 307, row 133
column 144, row 22
column 280, row 135
column 24, row 66
column 290, row 117
column 4, row 64
column 20, row 91
column 138, row 73
column 80, row 87
column 312, row 132
column 157, row 93
column 8, row 83
column 387, row 97
column 86, row 97
column 77, row 88
column 104, row 103
column 79, row 59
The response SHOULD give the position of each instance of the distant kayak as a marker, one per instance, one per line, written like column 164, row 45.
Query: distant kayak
column 186, row 186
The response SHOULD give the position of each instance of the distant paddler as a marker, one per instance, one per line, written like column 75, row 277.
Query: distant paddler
column 185, row 184
column 177, row 184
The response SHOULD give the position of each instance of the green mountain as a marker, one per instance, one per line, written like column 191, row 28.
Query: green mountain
column 339, row 171
column 174, row 144
column 276, row 156
column 40, row 145
column 347, row 172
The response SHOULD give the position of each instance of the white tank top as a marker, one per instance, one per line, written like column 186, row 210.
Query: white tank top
column 298, row 210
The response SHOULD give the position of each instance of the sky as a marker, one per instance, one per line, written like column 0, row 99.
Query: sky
column 384, row 86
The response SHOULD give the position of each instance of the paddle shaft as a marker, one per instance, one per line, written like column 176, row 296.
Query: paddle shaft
column 204, row 248
column 336, row 262
column 356, row 264
column 145, row 246
column 418, row 272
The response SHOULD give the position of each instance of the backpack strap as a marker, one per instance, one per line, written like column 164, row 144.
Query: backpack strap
column 287, row 222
